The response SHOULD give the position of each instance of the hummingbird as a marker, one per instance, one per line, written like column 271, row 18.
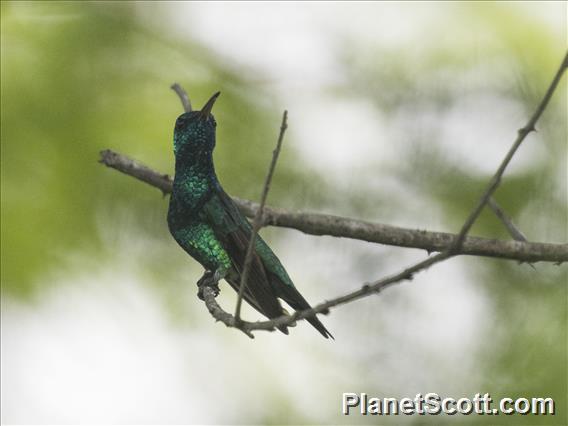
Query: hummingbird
column 209, row 226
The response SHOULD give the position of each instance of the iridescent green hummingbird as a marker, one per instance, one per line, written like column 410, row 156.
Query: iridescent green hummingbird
column 208, row 225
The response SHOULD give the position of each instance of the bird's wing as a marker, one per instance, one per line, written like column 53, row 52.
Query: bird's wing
column 284, row 286
column 268, row 280
column 233, row 231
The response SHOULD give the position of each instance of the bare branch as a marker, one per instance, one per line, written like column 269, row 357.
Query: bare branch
column 500, row 213
column 522, row 133
column 337, row 226
column 453, row 249
column 182, row 96
column 136, row 169
column 322, row 308
column 257, row 222
column 218, row 313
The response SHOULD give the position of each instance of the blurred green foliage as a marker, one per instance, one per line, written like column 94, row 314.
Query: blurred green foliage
column 81, row 77
column 527, row 355
column 77, row 78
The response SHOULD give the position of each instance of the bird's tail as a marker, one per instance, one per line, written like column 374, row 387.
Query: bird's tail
column 293, row 298
column 271, row 307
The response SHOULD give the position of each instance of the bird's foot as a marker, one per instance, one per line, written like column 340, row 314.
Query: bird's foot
column 209, row 279
column 285, row 311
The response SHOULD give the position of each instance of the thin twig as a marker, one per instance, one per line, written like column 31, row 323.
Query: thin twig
column 322, row 308
column 522, row 133
column 137, row 170
column 182, row 96
column 454, row 249
column 257, row 222
column 344, row 227
column 507, row 221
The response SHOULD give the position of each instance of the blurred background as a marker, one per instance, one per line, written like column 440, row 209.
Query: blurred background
column 399, row 113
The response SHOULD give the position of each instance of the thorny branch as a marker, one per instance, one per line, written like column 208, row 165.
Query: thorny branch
column 324, row 307
column 507, row 221
column 257, row 222
column 344, row 227
column 455, row 248
column 522, row 134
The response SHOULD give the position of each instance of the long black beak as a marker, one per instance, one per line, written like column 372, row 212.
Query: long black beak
column 206, row 110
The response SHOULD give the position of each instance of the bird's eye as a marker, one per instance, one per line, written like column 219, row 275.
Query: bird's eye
column 180, row 122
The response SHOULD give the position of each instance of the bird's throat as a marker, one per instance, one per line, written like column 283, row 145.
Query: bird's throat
column 195, row 176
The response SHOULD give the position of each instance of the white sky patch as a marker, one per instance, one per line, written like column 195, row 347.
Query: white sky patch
column 99, row 348
column 440, row 308
column 339, row 137
column 281, row 40
column 92, row 353
column 293, row 46
column 480, row 129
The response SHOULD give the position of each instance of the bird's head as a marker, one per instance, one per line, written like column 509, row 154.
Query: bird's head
column 194, row 131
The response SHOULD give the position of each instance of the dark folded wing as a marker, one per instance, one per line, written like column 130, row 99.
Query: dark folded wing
column 233, row 231
column 268, row 280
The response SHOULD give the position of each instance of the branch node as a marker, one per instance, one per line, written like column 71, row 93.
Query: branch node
column 524, row 131
column 247, row 332
column 506, row 220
